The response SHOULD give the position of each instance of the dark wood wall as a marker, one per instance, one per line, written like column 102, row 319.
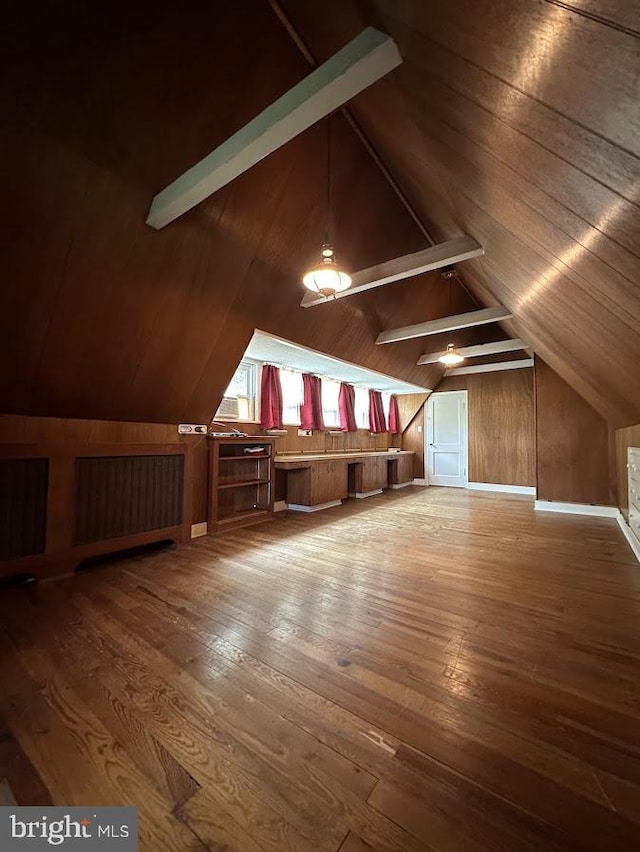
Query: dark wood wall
column 625, row 438
column 519, row 123
column 102, row 317
column 411, row 414
column 362, row 439
column 52, row 431
column 575, row 447
column 501, row 425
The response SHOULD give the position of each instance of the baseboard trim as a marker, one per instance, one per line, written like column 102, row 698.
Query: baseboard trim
column 507, row 489
column 419, row 482
column 397, row 485
column 634, row 543
column 296, row 507
column 199, row 529
column 360, row 495
column 280, row 506
column 576, row 509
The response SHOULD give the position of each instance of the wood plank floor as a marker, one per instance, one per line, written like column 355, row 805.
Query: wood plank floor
column 430, row 669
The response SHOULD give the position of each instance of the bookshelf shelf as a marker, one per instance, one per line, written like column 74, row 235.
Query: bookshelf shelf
column 241, row 483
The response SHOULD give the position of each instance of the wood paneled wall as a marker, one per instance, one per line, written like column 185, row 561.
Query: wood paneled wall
column 519, row 123
column 501, row 425
column 18, row 429
column 575, row 458
column 103, row 317
column 411, row 411
column 625, row 438
column 321, row 441
column 318, row 442
column 100, row 498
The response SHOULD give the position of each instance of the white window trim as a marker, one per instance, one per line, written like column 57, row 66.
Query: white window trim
column 256, row 368
column 256, row 380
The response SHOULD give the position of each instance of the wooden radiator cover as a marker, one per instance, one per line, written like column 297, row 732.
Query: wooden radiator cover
column 23, row 506
column 65, row 502
column 122, row 495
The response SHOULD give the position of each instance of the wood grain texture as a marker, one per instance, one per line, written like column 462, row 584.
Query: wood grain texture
column 518, row 123
column 413, row 437
column 20, row 429
column 24, row 485
column 624, row 438
column 101, row 316
column 369, row 475
column 502, row 446
column 134, row 506
column 280, row 688
column 401, row 469
column 318, row 483
column 361, row 439
column 241, row 486
column 574, row 462
column 22, row 784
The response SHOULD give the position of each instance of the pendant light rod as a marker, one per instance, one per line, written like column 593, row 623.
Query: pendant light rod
column 327, row 278
column 327, row 229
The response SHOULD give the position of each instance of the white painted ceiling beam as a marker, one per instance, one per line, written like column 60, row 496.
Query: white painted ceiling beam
column 477, row 351
column 360, row 63
column 434, row 257
column 491, row 368
column 437, row 326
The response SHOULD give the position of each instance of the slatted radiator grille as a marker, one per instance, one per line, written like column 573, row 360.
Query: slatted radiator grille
column 23, row 507
column 119, row 496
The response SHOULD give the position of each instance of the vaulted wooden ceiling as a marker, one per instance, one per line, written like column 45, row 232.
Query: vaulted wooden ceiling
column 518, row 122
column 513, row 122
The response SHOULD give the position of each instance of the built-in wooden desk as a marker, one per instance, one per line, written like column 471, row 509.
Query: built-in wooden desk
column 319, row 480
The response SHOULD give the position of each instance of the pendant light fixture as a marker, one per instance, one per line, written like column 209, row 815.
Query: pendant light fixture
column 451, row 357
column 327, row 278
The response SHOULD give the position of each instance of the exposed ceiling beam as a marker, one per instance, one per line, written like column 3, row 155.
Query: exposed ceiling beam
column 434, row 257
column 437, row 326
column 304, row 49
column 477, row 351
column 491, row 368
column 360, row 63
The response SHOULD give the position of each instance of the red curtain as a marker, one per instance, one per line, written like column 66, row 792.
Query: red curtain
column 376, row 412
column 394, row 416
column 270, row 398
column 311, row 409
column 346, row 407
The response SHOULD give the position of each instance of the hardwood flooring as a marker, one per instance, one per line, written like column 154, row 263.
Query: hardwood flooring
column 430, row 669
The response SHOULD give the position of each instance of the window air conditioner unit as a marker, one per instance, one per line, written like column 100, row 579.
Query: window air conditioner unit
column 228, row 408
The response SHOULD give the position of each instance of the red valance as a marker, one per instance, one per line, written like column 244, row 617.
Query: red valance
column 270, row 398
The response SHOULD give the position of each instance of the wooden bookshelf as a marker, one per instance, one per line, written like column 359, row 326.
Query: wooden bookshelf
column 241, row 482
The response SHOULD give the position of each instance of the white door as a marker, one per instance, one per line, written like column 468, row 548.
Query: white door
column 447, row 439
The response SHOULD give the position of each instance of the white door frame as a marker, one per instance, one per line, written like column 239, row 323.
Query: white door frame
column 428, row 434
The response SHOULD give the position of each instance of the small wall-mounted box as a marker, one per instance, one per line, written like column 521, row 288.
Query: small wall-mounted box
column 305, row 433
column 192, row 429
